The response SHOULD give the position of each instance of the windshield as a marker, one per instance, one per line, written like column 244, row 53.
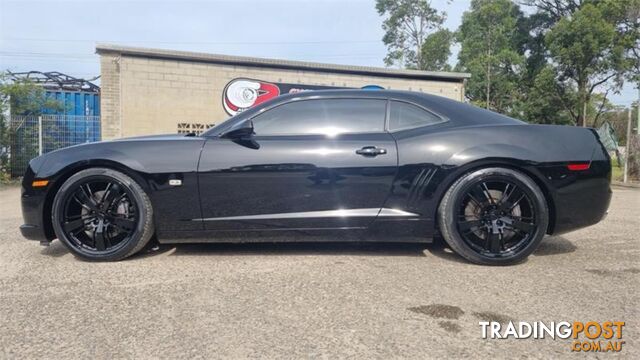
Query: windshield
column 217, row 129
column 226, row 124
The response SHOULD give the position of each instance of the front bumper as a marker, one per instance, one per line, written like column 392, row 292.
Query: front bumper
column 32, row 232
column 33, row 214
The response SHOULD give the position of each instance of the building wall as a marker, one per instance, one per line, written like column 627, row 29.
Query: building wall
column 110, row 96
column 152, row 96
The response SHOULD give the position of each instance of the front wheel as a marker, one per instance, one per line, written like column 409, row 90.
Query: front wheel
column 493, row 216
column 102, row 214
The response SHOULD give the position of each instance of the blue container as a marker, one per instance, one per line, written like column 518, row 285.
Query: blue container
column 79, row 118
column 75, row 103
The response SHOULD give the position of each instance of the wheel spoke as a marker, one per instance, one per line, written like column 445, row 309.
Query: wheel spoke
column 72, row 226
column 123, row 223
column 86, row 200
column 478, row 194
column 475, row 201
column 522, row 226
column 495, row 242
column 487, row 193
column 467, row 225
column 98, row 237
column 113, row 190
column 507, row 202
column 517, row 202
column 107, row 238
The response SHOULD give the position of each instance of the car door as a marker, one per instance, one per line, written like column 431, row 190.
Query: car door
column 312, row 164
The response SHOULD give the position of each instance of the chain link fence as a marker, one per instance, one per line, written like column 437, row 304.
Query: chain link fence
column 31, row 136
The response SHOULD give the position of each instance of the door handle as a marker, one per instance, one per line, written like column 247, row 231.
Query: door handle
column 371, row 151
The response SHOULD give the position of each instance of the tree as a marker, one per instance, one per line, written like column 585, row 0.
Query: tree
column 617, row 116
column 626, row 17
column 21, row 97
column 490, row 51
column 554, row 10
column 542, row 105
column 436, row 50
column 24, row 97
column 407, row 26
column 590, row 50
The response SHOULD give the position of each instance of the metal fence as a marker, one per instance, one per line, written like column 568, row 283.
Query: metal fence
column 31, row 136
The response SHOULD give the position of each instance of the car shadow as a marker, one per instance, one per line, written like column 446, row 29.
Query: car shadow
column 54, row 249
column 555, row 245
column 292, row 249
column 441, row 250
column 551, row 245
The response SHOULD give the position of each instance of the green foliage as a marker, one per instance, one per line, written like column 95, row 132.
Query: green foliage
column 25, row 98
column 542, row 105
column 617, row 170
column 625, row 16
column 436, row 50
column 20, row 98
column 617, row 116
column 407, row 26
column 583, row 48
column 556, row 64
column 593, row 48
column 490, row 51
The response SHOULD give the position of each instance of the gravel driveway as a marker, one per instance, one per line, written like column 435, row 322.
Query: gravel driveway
column 311, row 300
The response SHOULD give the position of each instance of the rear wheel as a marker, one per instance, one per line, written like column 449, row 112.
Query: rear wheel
column 493, row 216
column 102, row 214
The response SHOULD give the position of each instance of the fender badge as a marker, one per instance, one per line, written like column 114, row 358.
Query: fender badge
column 175, row 182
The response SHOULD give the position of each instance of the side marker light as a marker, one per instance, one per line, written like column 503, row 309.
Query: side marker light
column 39, row 183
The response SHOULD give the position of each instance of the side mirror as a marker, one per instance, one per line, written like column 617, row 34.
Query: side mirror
column 241, row 130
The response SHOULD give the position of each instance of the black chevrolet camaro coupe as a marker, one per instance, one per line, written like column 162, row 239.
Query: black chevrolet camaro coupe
column 338, row 165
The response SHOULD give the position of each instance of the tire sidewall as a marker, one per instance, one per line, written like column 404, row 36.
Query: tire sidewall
column 133, row 189
column 447, row 214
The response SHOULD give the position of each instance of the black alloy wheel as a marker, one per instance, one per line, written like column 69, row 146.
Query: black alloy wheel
column 102, row 214
column 99, row 215
column 495, row 216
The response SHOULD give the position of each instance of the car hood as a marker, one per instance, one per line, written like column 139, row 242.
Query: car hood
column 103, row 143
column 155, row 137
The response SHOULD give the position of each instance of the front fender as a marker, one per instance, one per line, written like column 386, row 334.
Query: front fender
column 150, row 162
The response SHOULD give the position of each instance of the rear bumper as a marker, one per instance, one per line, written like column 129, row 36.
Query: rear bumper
column 583, row 206
column 582, row 199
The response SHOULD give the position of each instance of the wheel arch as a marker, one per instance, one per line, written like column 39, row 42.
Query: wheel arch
column 524, row 167
column 68, row 171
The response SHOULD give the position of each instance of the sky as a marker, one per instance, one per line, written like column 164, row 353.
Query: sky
column 61, row 36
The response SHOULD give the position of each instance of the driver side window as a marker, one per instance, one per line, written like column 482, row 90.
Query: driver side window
column 329, row 117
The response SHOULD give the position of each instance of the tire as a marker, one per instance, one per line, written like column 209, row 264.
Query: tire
column 488, row 231
column 102, row 224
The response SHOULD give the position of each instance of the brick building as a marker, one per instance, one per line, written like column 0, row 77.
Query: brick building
column 150, row 91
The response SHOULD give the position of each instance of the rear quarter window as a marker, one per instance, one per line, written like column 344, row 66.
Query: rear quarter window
column 403, row 116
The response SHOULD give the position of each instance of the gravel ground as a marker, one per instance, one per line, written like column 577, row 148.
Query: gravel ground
column 312, row 300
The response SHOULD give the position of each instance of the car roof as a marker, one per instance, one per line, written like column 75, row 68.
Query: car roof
column 459, row 112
